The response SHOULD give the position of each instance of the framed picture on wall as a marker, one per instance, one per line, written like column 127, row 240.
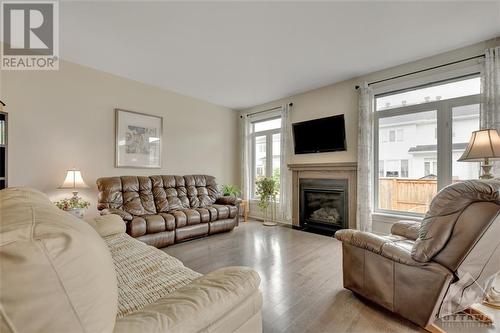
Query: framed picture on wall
column 138, row 140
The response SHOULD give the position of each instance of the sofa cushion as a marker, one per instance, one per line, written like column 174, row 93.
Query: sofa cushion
column 201, row 190
column 204, row 214
column 137, row 227
column 131, row 193
column 192, row 216
column 208, row 299
column 56, row 272
column 154, row 223
column 169, row 221
column 222, row 211
column 144, row 273
column 170, row 193
column 213, row 213
column 180, row 218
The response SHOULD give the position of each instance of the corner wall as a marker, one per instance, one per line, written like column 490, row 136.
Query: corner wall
column 65, row 119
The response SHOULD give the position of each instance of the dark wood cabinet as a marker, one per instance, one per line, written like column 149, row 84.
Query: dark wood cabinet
column 3, row 149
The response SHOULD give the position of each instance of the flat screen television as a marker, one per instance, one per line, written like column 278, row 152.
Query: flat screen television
column 319, row 135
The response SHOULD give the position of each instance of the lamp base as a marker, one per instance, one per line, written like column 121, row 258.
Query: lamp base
column 486, row 171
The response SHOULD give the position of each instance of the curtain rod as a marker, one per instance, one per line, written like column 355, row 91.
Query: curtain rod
column 267, row 110
column 425, row 70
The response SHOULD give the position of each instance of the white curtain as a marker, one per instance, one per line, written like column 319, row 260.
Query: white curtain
column 285, row 204
column 365, row 159
column 490, row 118
column 245, row 158
column 490, row 84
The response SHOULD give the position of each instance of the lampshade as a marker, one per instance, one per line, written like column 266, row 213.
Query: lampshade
column 73, row 180
column 483, row 144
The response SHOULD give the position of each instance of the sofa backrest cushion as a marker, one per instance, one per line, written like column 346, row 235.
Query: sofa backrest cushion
column 469, row 228
column 201, row 190
column 132, row 194
column 445, row 211
column 156, row 194
column 170, row 193
column 57, row 274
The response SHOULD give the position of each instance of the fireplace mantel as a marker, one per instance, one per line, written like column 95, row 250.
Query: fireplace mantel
column 343, row 166
column 343, row 170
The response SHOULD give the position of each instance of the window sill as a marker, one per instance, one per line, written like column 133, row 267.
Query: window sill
column 393, row 218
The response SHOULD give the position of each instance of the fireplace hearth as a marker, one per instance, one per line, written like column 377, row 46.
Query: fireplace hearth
column 323, row 205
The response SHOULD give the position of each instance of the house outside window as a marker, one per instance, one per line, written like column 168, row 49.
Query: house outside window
column 266, row 144
column 419, row 135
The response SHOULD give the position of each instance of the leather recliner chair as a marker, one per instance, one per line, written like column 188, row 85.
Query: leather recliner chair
column 428, row 270
column 163, row 210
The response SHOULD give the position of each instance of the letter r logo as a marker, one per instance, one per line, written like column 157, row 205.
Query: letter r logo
column 28, row 28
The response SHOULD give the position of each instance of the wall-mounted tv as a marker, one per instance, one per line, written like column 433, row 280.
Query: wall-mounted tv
column 319, row 135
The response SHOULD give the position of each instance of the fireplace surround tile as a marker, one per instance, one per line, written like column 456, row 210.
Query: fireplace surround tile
column 335, row 171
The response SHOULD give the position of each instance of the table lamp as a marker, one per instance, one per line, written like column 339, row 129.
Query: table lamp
column 484, row 145
column 74, row 181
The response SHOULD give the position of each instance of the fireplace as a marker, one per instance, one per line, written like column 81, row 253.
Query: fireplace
column 323, row 204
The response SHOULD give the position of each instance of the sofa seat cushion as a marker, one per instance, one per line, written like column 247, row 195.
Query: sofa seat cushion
column 169, row 221
column 222, row 211
column 56, row 272
column 137, row 227
column 191, row 231
column 204, row 214
column 197, row 306
column 144, row 273
column 192, row 216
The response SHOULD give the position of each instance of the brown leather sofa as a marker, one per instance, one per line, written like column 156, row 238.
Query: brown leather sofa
column 163, row 210
column 428, row 270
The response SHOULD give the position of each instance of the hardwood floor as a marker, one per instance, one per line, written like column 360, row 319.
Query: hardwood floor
column 301, row 279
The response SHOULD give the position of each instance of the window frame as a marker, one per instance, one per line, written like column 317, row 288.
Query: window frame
column 444, row 115
column 269, row 150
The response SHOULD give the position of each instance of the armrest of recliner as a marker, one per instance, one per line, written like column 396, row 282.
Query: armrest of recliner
column 228, row 200
column 123, row 214
column 381, row 245
column 406, row 229
column 365, row 240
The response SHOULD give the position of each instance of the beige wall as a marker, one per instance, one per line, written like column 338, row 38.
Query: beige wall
column 342, row 98
column 64, row 119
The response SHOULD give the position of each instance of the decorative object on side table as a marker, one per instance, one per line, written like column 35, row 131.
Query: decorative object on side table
column 484, row 145
column 74, row 205
column 138, row 139
column 267, row 190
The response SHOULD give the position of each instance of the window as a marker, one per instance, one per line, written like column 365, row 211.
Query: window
column 266, row 143
column 404, row 168
column 392, row 136
column 419, row 135
column 400, row 135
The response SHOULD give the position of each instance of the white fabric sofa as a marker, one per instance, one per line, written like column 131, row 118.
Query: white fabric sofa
column 61, row 274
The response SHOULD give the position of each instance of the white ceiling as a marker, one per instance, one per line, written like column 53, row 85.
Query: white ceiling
column 241, row 54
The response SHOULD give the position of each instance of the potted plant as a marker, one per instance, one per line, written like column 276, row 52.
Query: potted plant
column 75, row 206
column 230, row 191
column 267, row 188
